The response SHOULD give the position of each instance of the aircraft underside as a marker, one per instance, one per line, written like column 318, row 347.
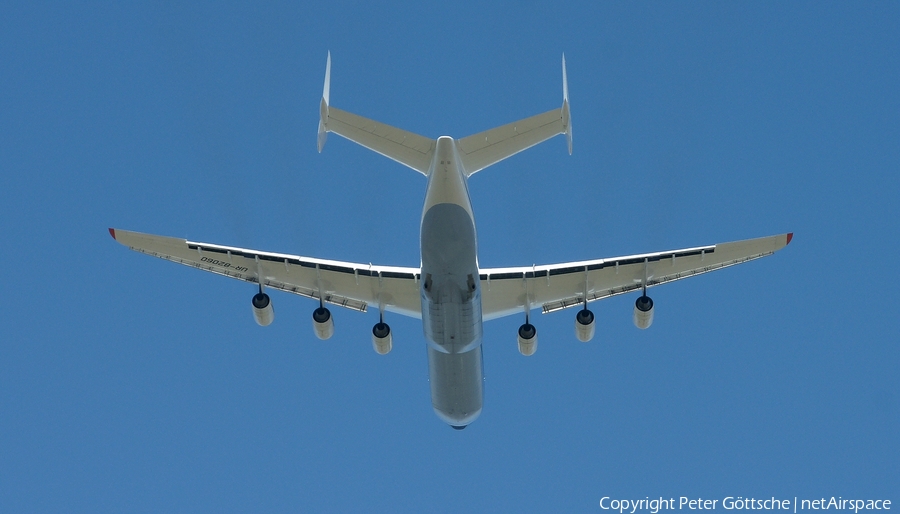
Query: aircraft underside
column 449, row 292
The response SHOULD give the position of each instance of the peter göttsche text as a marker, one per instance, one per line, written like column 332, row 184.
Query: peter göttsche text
column 740, row 503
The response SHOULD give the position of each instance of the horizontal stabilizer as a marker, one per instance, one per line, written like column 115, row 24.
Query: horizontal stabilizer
column 404, row 147
column 492, row 146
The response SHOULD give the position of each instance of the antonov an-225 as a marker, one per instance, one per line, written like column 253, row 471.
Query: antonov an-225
column 449, row 292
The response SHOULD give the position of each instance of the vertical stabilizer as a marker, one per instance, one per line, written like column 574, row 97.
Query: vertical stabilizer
column 323, row 107
column 566, row 117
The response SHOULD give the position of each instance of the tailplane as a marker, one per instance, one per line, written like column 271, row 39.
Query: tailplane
column 404, row 147
column 476, row 152
column 492, row 146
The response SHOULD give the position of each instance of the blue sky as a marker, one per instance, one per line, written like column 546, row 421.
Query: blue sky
column 130, row 384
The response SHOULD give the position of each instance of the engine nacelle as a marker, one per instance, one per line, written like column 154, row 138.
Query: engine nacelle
column 323, row 323
column 527, row 339
column 643, row 312
column 263, row 312
column 584, row 325
column 381, row 338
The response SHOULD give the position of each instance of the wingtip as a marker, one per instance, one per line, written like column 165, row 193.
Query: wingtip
column 789, row 237
column 112, row 232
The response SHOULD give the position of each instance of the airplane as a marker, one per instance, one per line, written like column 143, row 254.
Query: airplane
column 449, row 291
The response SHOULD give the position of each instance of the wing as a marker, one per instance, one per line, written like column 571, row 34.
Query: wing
column 560, row 286
column 346, row 284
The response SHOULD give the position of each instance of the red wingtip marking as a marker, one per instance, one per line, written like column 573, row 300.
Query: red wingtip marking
column 789, row 237
column 112, row 232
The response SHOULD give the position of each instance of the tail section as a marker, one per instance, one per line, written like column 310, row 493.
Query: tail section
column 404, row 147
column 492, row 146
column 476, row 152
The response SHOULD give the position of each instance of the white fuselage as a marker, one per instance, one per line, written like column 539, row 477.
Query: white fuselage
column 451, row 291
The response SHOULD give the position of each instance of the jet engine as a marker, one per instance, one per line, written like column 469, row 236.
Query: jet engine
column 262, row 309
column 643, row 312
column 584, row 325
column 323, row 323
column 381, row 338
column 527, row 339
